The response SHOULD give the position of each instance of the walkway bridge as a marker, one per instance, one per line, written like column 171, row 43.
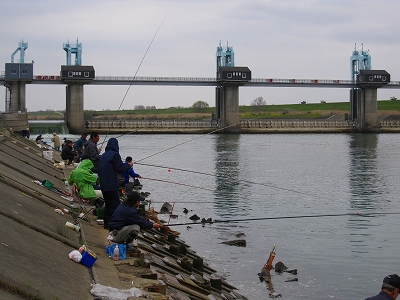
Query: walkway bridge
column 205, row 81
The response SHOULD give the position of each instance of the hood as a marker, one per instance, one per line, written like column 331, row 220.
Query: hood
column 86, row 164
column 112, row 145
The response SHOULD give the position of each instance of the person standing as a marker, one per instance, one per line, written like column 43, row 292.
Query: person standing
column 91, row 151
column 389, row 290
column 125, row 223
column 129, row 175
column 79, row 144
column 110, row 164
column 56, row 140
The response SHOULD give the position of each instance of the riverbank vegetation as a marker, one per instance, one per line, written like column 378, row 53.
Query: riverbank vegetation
column 386, row 108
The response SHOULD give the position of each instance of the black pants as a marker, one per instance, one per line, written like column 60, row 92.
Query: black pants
column 111, row 202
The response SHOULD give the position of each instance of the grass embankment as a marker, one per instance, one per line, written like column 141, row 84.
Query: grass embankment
column 298, row 111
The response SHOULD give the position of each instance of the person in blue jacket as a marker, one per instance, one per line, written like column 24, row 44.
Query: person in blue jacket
column 110, row 164
column 389, row 290
column 130, row 173
column 125, row 223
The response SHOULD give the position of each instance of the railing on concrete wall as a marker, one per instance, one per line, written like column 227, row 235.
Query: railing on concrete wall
column 151, row 124
column 243, row 124
column 294, row 124
column 390, row 124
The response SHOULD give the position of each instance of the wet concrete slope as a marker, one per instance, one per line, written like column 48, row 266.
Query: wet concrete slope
column 34, row 243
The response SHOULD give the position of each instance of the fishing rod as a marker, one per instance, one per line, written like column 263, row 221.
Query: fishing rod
column 285, row 217
column 137, row 70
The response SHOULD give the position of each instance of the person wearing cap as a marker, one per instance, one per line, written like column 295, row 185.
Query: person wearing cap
column 125, row 223
column 56, row 140
column 129, row 175
column 39, row 138
column 79, row 144
column 390, row 288
column 67, row 152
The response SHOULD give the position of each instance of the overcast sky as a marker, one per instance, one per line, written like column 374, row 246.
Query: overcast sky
column 275, row 39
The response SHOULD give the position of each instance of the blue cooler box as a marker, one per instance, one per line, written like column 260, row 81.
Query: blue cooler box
column 121, row 248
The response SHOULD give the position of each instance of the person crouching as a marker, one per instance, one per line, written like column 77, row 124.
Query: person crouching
column 125, row 223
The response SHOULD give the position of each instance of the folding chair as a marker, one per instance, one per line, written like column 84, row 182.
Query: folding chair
column 84, row 206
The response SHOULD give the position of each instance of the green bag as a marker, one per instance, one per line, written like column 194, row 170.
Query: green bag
column 47, row 184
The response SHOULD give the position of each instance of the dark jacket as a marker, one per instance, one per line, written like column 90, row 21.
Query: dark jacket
column 91, row 152
column 129, row 173
column 79, row 144
column 67, row 153
column 109, row 165
column 381, row 296
column 127, row 215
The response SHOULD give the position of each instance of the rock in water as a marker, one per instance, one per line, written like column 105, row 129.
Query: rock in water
column 239, row 243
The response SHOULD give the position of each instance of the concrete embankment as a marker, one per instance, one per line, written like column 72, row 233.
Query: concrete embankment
column 35, row 243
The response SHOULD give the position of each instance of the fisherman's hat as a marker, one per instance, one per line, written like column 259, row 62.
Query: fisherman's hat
column 393, row 280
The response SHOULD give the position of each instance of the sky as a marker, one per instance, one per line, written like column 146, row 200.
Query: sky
column 288, row 39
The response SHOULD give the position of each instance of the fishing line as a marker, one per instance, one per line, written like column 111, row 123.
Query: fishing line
column 180, row 144
column 242, row 180
column 137, row 70
column 286, row 217
column 188, row 185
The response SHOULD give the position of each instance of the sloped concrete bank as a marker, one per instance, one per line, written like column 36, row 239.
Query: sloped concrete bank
column 35, row 242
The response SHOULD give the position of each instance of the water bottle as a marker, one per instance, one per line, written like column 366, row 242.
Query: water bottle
column 116, row 252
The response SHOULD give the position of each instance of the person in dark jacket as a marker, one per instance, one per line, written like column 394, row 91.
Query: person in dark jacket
column 68, row 152
column 91, row 151
column 39, row 138
column 129, row 175
column 125, row 223
column 110, row 165
column 79, row 144
column 390, row 288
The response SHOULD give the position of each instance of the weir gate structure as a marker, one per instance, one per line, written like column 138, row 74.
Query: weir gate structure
column 363, row 87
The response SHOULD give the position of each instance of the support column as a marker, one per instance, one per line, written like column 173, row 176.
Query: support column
column 369, row 98
column 17, row 95
column 74, row 108
column 229, row 109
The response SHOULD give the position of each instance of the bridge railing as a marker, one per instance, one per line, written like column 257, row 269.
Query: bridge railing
column 154, row 79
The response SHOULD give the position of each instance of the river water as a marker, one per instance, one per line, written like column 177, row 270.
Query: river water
column 239, row 177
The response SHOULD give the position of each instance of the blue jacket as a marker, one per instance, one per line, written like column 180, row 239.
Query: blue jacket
column 128, row 173
column 125, row 215
column 109, row 165
column 381, row 296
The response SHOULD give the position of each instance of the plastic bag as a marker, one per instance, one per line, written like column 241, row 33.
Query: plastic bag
column 75, row 255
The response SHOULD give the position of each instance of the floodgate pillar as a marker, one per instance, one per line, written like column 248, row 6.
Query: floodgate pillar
column 227, row 97
column 75, row 77
column 365, row 99
column 17, row 75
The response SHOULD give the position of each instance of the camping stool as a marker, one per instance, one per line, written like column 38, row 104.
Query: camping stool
column 84, row 208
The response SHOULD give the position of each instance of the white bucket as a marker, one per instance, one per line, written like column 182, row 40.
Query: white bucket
column 48, row 155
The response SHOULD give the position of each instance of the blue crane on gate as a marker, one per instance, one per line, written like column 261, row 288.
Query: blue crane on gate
column 225, row 56
column 359, row 61
column 22, row 46
column 73, row 48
